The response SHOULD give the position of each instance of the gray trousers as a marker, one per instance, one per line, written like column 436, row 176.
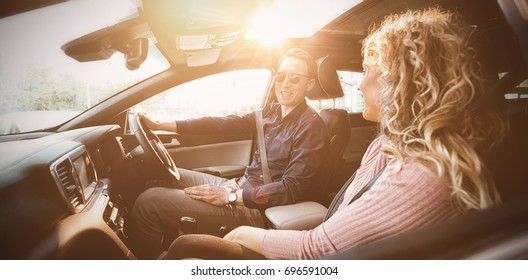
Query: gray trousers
column 157, row 211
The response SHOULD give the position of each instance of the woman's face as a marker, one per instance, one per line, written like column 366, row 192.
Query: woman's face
column 371, row 90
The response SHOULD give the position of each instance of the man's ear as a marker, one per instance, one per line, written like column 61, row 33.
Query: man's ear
column 310, row 84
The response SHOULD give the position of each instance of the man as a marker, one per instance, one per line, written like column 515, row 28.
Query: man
column 295, row 138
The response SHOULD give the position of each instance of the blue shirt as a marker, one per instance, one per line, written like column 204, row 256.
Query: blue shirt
column 295, row 148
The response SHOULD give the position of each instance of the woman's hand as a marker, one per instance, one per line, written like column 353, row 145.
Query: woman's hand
column 249, row 237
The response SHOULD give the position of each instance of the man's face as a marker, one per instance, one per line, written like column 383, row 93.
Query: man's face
column 292, row 82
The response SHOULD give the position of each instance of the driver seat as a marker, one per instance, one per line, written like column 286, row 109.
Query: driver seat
column 328, row 86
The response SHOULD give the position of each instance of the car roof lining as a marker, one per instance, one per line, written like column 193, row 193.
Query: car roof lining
column 9, row 8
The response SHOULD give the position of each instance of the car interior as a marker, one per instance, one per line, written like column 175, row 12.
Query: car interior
column 66, row 192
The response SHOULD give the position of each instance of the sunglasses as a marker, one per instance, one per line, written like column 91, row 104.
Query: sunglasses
column 294, row 78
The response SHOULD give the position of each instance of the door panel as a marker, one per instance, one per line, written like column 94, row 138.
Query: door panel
column 360, row 139
column 362, row 132
column 221, row 155
column 228, row 159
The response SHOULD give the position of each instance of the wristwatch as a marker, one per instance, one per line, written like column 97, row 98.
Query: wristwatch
column 232, row 197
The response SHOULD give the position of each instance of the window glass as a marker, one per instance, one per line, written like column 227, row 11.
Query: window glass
column 352, row 101
column 236, row 92
column 40, row 86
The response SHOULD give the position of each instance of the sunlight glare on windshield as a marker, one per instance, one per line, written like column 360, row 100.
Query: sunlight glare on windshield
column 295, row 18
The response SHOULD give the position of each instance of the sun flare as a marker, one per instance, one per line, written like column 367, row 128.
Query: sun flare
column 285, row 19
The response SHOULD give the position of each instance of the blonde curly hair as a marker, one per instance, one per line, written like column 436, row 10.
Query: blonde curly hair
column 431, row 108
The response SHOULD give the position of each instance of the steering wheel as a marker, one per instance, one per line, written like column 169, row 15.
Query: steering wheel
column 155, row 153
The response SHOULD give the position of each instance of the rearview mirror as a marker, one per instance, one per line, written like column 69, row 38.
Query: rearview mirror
column 135, row 53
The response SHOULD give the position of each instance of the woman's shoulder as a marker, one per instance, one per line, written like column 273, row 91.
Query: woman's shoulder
column 416, row 175
column 412, row 187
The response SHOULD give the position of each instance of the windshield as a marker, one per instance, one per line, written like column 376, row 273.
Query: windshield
column 40, row 86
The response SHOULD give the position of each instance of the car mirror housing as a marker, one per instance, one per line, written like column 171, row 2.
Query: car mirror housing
column 190, row 31
column 129, row 37
column 136, row 53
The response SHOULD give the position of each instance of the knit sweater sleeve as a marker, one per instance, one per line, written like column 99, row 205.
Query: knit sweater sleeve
column 399, row 201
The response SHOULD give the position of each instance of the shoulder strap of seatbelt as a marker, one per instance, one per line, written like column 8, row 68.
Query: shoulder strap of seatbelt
column 262, row 147
column 338, row 199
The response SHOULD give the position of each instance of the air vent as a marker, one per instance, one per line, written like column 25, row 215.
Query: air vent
column 64, row 173
column 121, row 143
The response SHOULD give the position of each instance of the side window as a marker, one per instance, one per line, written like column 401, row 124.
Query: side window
column 352, row 101
column 235, row 92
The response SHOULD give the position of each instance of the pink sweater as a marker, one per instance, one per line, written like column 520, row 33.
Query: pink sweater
column 399, row 201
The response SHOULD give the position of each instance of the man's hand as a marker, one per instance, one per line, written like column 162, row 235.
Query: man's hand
column 211, row 194
column 152, row 124
column 157, row 125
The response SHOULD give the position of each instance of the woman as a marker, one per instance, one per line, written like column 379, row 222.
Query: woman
column 422, row 84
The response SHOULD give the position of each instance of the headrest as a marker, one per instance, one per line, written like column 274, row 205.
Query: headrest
column 327, row 84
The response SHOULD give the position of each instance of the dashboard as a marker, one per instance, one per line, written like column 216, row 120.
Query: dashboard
column 55, row 200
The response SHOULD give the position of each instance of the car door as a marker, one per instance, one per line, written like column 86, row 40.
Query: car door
column 235, row 92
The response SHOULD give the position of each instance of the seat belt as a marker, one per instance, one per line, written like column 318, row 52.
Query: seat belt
column 262, row 147
column 338, row 199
